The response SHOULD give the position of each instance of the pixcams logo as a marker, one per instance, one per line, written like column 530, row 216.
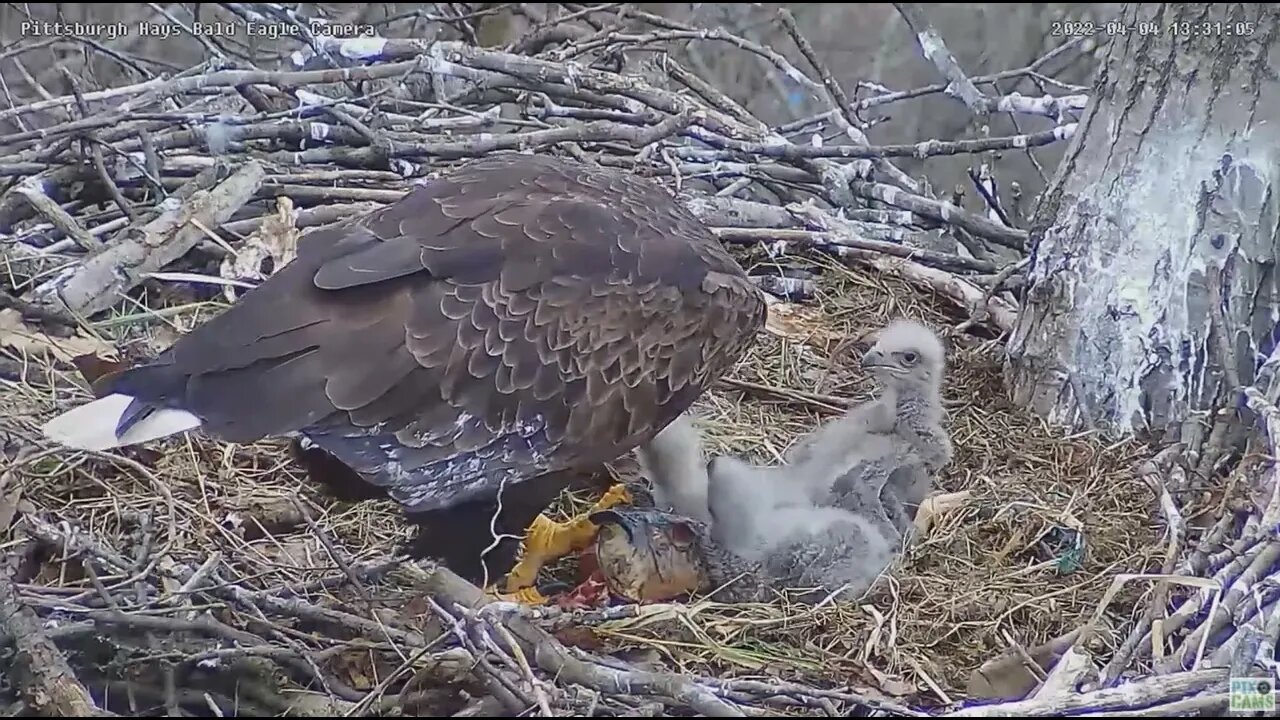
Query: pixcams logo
column 1253, row 694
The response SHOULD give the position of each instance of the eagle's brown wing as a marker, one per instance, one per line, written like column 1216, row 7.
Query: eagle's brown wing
column 518, row 316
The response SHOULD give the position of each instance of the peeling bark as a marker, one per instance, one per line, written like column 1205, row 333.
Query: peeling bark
column 1152, row 290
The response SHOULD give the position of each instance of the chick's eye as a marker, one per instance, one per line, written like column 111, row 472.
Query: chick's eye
column 910, row 357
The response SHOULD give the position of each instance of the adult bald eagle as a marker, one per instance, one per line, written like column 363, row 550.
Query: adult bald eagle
column 517, row 320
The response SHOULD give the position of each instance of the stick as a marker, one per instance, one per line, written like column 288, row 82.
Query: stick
column 999, row 313
column 60, row 218
column 846, row 117
column 943, row 211
column 936, row 51
column 551, row 657
column 834, row 242
column 1137, row 694
column 104, row 278
column 47, row 683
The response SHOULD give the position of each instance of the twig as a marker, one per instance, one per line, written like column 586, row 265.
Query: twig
column 1177, row 539
column 920, row 150
column 937, row 53
column 101, row 280
column 1207, row 705
column 333, row 551
column 1271, row 477
column 48, row 684
column 551, row 657
column 984, row 309
column 1221, row 615
column 834, row 242
column 96, row 152
column 828, row 402
column 1125, row 697
column 835, row 93
column 716, row 34
column 945, row 212
column 44, row 314
column 60, row 218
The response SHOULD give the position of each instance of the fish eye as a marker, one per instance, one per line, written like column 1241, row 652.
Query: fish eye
column 681, row 535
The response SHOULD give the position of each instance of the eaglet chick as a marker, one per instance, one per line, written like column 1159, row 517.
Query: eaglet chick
column 841, row 503
column 900, row 432
column 674, row 463
column 753, row 537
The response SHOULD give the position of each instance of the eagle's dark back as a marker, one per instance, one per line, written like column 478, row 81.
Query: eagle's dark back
column 519, row 317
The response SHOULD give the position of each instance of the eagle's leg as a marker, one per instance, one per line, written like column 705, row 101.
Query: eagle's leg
column 548, row 540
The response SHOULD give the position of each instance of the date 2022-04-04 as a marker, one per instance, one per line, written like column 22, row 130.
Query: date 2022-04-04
column 1177, row 28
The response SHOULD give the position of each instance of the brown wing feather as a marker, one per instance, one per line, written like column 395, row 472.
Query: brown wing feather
column 521, row 315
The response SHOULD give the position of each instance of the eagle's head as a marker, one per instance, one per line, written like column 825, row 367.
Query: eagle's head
column 907, row 353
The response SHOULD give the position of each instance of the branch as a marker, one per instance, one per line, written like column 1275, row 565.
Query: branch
column 54, row 213
column 937, row 53
column 1141, row 693
column 942, row 211
column 1265, row 408
column 101, row 280
column 551, row 657
column 41, row 672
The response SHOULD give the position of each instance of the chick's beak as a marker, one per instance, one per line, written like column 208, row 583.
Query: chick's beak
column 872, row 359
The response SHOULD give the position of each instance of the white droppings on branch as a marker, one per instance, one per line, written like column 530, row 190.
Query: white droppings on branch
column 1046, row 105
column 931, row 45
column 404, row 168
column 306, row 98
column 319, row 131
column 220, row 137
column 361, row 48
column 926, row 148
column 367, row 49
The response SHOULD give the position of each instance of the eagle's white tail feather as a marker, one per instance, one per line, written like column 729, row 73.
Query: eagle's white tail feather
column 93, row 426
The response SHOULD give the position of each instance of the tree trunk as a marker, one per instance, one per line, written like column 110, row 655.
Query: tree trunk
column 1152, row 286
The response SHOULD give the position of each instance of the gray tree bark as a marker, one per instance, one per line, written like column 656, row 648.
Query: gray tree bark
column 1153, row 291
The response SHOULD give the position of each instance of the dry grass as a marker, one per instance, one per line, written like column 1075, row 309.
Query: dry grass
column 984, row 577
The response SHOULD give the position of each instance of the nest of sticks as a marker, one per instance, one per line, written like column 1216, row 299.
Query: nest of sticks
column 197, row 577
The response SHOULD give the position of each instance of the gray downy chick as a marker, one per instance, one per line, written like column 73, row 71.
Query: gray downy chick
column 909, row 362
column 746, row 501
column 759, row 532
column 674, row 463
column 791, row 542
column 870, row 487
